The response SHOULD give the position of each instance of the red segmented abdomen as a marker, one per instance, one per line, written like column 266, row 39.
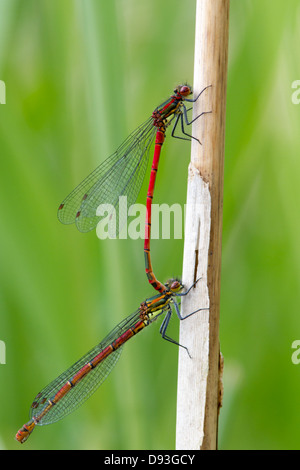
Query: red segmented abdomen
column 160, row 137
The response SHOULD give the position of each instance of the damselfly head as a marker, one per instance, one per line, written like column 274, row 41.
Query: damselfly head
column 174, row 285
column 183, row 90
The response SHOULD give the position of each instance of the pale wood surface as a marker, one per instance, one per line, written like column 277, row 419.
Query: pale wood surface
column 198, row 378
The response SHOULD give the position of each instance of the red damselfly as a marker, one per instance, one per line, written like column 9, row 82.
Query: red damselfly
column 162, row 117
column 68, row 391
column 122, row 173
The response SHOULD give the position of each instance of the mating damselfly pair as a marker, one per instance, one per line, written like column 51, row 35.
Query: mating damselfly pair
column 120, row 174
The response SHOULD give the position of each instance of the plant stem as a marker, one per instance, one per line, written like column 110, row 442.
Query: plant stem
column 199, row 378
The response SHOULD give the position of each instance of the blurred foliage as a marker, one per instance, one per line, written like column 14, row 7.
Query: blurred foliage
column 80, row 75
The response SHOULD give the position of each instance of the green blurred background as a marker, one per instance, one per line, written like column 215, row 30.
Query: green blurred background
column 80, row 75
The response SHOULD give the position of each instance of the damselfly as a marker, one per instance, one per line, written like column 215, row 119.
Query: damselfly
column 162, row 117
column 122, row 173
column 68, row 391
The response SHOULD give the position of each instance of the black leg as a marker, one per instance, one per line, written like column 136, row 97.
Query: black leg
column 179, row 116
column 174, row 127
column 189, row 289
column 189, row 315
column 163, row 329
column 188, row 123
column 166, row 321
column 193, row 101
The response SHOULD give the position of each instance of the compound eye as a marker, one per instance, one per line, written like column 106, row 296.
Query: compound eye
column 175, row 286
column 185, row 90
